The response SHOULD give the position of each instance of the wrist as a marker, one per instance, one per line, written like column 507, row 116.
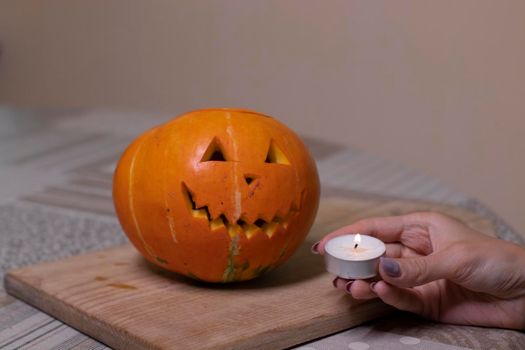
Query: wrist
column 520, row 265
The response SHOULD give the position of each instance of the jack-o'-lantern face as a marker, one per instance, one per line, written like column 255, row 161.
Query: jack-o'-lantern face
column 232, row 191
column 219, row 195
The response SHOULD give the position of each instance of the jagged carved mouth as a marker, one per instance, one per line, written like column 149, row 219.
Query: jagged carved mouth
column 241, row 225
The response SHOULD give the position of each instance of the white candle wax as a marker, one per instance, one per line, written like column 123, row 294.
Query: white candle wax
column 344, row 259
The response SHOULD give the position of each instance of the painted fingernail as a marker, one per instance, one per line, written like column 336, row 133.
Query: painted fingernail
column 391, row 267
column 348, row 286
column 340, row 282
column 314, row 248
column 372, row 286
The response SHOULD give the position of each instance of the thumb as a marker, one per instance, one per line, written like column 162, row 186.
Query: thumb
column 411, row 272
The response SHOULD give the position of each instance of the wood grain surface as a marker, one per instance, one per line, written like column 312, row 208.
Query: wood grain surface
column 118, row 298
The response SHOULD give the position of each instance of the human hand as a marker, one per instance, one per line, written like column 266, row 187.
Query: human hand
column 437, row 267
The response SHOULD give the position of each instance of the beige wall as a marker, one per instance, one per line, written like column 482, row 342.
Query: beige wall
column 436, row 84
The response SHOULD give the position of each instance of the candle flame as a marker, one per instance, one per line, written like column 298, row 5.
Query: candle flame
column 357, row 240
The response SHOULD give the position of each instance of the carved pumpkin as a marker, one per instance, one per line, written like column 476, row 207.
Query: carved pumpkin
column 218, row 195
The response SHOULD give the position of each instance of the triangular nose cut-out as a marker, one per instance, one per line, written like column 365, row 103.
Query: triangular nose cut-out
column 214, row 152
column 276, row 155
column 249, row 178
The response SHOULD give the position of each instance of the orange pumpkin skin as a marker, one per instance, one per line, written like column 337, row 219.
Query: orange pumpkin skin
column 219, row 195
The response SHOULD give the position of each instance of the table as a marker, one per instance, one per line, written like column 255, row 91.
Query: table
column 55, row 201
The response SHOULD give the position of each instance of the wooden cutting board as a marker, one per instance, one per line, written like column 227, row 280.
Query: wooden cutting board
column 121, row 300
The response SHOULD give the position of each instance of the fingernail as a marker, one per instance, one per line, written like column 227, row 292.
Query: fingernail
column 391, row 267
column 314, row 248
column 340, row 283
column 348, row 286
column 372, row 286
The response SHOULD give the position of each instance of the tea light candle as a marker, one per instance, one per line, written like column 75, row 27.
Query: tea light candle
column 353, row 256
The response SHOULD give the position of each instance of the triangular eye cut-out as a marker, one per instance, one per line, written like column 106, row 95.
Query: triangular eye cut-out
column 214, row 152
column 276, row 155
